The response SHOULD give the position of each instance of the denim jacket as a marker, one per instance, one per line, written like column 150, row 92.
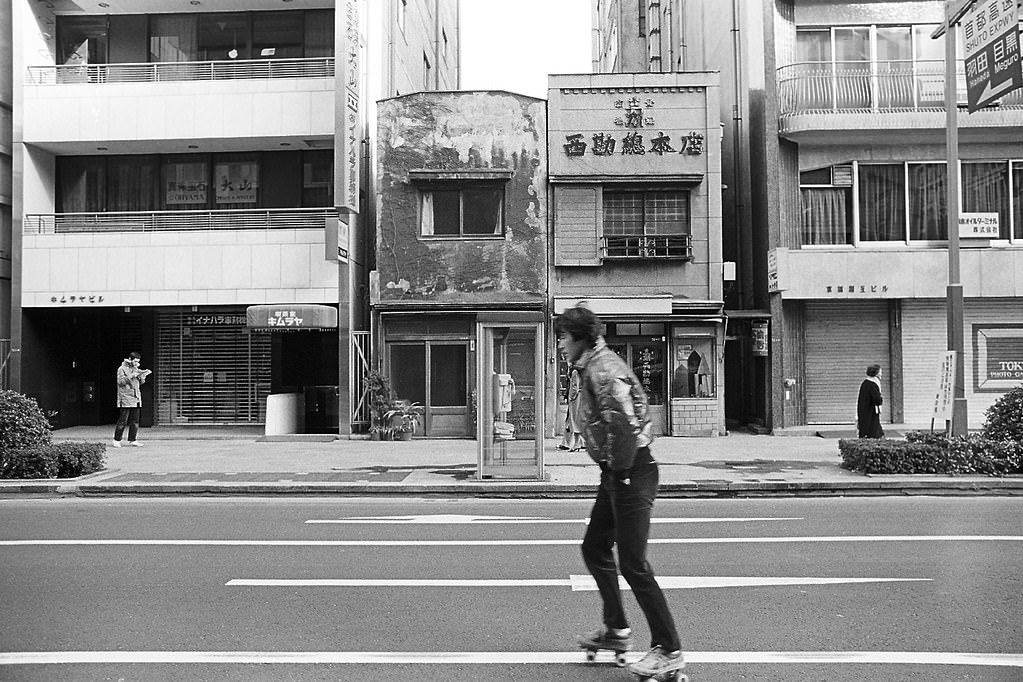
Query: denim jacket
column 613, row 408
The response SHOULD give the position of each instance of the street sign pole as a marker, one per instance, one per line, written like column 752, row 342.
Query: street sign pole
column 954, row 292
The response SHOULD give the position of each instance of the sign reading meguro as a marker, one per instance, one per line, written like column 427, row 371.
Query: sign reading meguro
column 991, row 33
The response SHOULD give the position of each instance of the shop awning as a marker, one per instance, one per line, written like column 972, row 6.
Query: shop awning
column 285, row 317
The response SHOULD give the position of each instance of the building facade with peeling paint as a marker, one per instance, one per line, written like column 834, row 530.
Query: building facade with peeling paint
column 460, row 287
column 635, row 192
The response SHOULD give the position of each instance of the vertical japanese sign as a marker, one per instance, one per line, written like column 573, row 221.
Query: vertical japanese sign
column 347, row 156
column 943, row 396
column 991, row 34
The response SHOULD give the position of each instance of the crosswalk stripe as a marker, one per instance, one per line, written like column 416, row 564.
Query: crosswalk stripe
column 510, row 543
column 1012, row 660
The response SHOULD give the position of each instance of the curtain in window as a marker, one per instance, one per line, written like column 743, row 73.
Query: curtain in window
column 81, row 188
column 667, row 213
column 319, row 33
column 173, row 38
column 986, row 190
column 131, row 183
column 824, row 216
column 927, row 216
column 1017, row 198
column 623, row 213
column 427, row 211
column 882, row 202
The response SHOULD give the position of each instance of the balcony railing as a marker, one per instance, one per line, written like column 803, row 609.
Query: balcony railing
column 865, row 87
column 668, row 247
column 165, row 221
column 318, row 67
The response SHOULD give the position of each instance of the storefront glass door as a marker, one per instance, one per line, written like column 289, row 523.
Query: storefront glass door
column 510, row 426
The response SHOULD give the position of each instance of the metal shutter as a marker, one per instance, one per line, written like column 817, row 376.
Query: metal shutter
column 210, row 369
column 841, row 340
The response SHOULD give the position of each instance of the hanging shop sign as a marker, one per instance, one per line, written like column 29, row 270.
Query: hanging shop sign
column 759, row 338
column 290, row 317
column 991, row 36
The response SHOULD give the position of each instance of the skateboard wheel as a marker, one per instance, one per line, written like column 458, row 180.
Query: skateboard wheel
column 620, row 659
column 591, row 655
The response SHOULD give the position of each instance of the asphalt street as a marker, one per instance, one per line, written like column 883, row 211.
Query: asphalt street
column 438, row 589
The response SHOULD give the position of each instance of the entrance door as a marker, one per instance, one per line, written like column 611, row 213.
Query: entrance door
column 435, row 375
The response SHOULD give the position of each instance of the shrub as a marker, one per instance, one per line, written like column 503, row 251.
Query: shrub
column 932, row 453
column 22, row 423
column 1005, row 417
column 68, row 459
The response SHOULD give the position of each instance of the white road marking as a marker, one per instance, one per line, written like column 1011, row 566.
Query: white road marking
column 578, row 583
column 1003, row 660
column 460, row 519
column 795, row 539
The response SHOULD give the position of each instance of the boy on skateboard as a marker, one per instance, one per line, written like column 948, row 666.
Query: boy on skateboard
column 617, row 434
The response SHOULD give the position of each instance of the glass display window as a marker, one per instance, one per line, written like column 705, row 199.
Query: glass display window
column 694, row 366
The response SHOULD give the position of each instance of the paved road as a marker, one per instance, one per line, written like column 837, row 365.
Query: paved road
column 310, row 589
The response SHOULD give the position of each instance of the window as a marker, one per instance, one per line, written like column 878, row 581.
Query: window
column 928, row 184
column 693, row 368
column 224, row 36
column 646, row 224
column 986, row 190
column 882, row 202
column 82, row 40
column 236, row 181
column 318, row 178
column 476, row 211
column 173, row 38
column 277, row 35
column 185, row 183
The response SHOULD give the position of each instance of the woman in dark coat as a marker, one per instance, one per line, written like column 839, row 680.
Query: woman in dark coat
column 868, row 405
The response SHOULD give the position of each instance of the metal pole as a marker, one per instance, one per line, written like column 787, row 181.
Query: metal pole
column 954, row 291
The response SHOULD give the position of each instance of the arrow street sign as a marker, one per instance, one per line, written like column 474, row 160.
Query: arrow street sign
column 992, row 51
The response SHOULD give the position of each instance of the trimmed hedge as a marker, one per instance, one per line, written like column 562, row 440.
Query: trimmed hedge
column 67, row 459
column 1005, row 417
column 22, row 423
column 932, row 453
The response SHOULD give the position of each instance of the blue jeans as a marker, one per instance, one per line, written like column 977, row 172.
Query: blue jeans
column 621, row 515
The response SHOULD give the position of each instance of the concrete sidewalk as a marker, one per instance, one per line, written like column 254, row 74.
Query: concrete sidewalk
column 239, row 461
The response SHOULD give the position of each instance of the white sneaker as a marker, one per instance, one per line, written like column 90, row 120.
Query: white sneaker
column 116, row 443
column 134, row 443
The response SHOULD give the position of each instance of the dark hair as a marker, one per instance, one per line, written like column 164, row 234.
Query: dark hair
column 872, row 370
column 134, row 355
column 581, row 323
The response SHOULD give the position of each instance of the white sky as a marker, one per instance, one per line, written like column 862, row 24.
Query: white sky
column 513, row 44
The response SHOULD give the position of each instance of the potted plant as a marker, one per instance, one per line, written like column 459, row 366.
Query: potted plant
column 381, row 400
column 404, row 418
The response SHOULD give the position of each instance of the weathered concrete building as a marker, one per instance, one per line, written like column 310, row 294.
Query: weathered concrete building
column 635, row 175
column 461, row 248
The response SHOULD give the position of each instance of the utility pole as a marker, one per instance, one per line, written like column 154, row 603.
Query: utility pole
column 954, row 11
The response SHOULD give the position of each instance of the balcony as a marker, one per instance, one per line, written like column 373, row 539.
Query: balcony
column 176, row 221
column 165, row 72
column 663, row 247
column 883, row 101
column 214, row 105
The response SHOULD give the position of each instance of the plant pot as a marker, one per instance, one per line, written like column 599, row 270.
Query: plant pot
column 403, row 435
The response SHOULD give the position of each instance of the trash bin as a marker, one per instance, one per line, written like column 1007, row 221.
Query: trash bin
column 284, row 414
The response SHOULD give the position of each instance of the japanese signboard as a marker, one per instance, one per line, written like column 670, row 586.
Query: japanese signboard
column 296, row 316
column 943, row 396
column 347, row 107
column 991, row 34
column 978, row 226
column 997, row 356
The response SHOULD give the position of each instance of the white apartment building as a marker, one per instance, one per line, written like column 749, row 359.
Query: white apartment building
column 177, row 165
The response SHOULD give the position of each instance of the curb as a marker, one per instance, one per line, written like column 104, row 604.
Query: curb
column 735, row 489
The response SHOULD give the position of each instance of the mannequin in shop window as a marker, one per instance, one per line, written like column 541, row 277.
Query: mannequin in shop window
column 690, row 373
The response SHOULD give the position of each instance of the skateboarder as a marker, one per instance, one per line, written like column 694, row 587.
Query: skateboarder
column 617, row 434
